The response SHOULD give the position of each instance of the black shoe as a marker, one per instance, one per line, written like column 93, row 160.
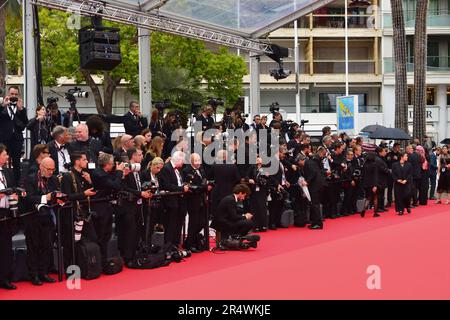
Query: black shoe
column 400, row 213
column 46, row 278
column 376, row 214
column 408, row 210
column 333, row 216
column 363, row 213
column 195, row 250
column 315, row 227
column 36, row 281
column 414, row 205
column 253, row 244
column 273, row 227
column 5, row 284
column 263, row 229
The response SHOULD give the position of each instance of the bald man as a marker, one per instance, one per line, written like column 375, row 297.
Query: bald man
column 40, row 227
column 195, row 176
column 85, row 144
column 127, row 142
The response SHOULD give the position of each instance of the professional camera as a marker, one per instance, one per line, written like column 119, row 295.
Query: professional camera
column 161, row 105
column 149, row 186
column 51, row 100
column 262, row 181
column 214, row 102
column 58, row 195
column 134, row 167
column 274, row 107
column 176, row 255
column 76, row 93
column 357, row 173
column 237, row 242
column 13, row 101
column 13, row 203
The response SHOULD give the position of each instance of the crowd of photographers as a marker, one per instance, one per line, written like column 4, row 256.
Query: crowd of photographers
column 80, row 186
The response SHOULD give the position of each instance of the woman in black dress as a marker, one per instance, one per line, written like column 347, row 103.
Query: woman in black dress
column 370, row 183
column 259, row 184
column 39, row 127
column 402, row 176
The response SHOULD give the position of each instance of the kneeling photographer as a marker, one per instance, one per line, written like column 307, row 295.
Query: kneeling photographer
column 106, row 182
column 234, row 227
column 130, row 218
column 77, row 184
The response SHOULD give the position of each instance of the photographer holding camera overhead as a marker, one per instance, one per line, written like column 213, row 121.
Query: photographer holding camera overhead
column 58, row 149
column 133, row 121
column 42, row 193
column 106, row 182
column 13, row 120
column 6, row 227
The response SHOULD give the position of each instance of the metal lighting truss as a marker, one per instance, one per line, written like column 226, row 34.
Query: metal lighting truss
column 154, row 22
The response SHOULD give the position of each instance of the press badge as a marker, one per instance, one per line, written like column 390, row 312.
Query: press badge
column 91, row 165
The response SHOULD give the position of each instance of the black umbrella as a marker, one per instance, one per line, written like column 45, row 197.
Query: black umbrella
column 445, row 141
column 389, row 134
column 371, row 128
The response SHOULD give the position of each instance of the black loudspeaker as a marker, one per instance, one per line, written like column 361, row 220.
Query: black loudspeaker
column 99, row 48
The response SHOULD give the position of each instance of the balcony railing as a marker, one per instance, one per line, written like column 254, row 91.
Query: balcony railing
column 434, row 64
column 338, row 66
column 325, row 109
column 336, row 21
column 435, row 18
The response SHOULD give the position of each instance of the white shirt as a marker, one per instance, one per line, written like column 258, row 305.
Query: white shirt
column 283, row 175
column 63, row 158
column 3, row 185
column 14, row 109
column 180, row 180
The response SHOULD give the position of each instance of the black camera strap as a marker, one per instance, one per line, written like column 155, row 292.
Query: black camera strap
column 76, row 203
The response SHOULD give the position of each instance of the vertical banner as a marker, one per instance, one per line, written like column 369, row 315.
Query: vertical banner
column 347, row 114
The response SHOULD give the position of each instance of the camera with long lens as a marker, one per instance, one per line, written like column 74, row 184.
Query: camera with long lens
column 13, row 203
column 214, row 102
column 262, row 181
column 176, row 255
column 133, row 167
column 237, row 242
column 357, row 173
column 274, row 107
column 161, row 105
column 52, row 100
column 58, row 195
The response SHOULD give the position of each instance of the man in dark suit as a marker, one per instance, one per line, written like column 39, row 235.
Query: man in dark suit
column 7, row 180
column 106, row 181
column 133, row 121
column 433, row 172
column 130, row 218
column 383, row 177
column 13, row 120
column 40, row 227
column 206, row 118
column 86, row 144
column 414, row 160
column 59, row 150
column 171, row 180
column 227, row 220
column 195, row 176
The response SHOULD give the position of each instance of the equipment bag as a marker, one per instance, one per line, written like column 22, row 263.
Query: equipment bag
column 360, row 205
column 20, row 268
column 113, row 266
column 88, row 258
column 287, row 218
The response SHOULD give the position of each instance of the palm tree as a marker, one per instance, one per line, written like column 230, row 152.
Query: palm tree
column 420, row 69
column 9, row 13
column 401, row 85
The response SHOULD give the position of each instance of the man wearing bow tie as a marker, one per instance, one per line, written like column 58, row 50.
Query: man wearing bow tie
column 133, row 121
column 13, row 120
column 195, row 176
column 58, row 149
column 175, row 206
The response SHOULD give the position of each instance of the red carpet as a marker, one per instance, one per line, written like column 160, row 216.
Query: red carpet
column 411, row 251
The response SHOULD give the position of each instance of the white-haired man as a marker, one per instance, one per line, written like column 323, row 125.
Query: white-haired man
column 171, row 180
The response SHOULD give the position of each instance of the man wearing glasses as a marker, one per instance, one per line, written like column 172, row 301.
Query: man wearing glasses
column 40, row 227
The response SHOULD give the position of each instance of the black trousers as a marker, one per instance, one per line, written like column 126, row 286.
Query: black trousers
column 390, row 188
column 423, row 188
column 129, row 222
column 314, row 209
column 197, row 219
column 241, row 227
column 275, row 211
column 103, row 219
column 349, row 203
column 40, row 236
column 173, row 223
column 414, row 191
column 6, row 256
column 258, row 201
column 380, row 195
column 15, row 150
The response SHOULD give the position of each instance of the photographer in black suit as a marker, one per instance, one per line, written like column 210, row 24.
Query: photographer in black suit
column 6, row 227
column 77, row 184
column 40, row 227
column 86, row 144
column 13, row 120
column 195, row 176
column 170, row 179
column 206, row 118
column 227, row 220
column 133, row 121
column 106, row 181
column 130, row 218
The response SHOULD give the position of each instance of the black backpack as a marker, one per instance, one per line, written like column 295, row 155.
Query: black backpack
column 113, row 266
column 89, row 260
